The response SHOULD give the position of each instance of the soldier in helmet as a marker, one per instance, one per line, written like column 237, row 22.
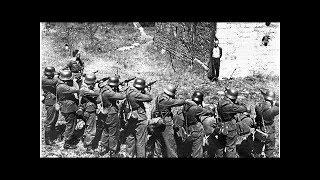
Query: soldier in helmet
column 76, row 66
column 67, row 92
column 111, row 123
column 229, row 129
column 193, row 113
column 165, row 145
column 49, row 83
column 89, row 95
column 136, row 128
column 265, row 115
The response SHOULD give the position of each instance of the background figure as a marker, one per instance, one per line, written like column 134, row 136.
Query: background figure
column 214, row 62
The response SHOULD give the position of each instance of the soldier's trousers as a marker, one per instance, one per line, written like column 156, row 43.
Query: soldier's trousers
column 71, row 122
column 110, row 131
column 136, row 138
column 50, row 122
column 165, row 144
column 91, row 127
column 270, row 144
column 195, row 141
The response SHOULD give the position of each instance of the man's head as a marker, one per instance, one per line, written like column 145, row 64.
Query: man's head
column 139, row 84
column 113, row 82
column 49, row 71
column 170, row 90
column 215, row 42
column 197, row 97
column 66, row 76
column 90, row 80
column 232, row 94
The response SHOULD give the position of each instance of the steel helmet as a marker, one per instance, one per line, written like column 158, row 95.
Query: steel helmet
column 170, row 90
column 66, row 75
column 113, row 81
column 232, row 93
column 139, row 83
column 197, row 97
column 90, row 78
column 269, row 95
column 49, row 71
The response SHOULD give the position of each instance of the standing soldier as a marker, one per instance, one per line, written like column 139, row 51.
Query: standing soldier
column 76, row 66
column 89, row 95
column 136, row 128
column 229, row 129
column 265, row 115
column 193, row 113
column 67, row 90
column 214, row 63
column 164, row 133
column 111, row 122
column 49, row 83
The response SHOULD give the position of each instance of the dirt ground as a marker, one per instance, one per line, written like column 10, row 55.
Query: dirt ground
column 145, row 61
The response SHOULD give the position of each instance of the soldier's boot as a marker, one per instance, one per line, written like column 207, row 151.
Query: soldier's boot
column 103, row 151
column 114, row 154
column 47, row 139
column 89, row 150
column 67, row 145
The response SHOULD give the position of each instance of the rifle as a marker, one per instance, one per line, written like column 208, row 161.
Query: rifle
column 150, row 84
column 126, row 81
column 100, row 81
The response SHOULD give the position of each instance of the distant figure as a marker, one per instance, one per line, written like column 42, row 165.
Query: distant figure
column 265, row 40
column 214, row 63
column 75, row 52
column 66, row 46
column 268, row 23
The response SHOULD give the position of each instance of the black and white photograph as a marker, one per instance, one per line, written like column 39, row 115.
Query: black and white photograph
column 160, row 90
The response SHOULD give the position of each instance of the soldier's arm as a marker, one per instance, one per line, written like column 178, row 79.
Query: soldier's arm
column 88, row 92
column 238, row 108
column 173, row 102
column 200, row 111
column 117, row 96
column 70, row 90
column 143, row 97
column 220, row 52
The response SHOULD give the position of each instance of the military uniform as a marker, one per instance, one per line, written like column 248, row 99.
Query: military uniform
column 49, row 93
column 230, row 128
column 110, row 120
column 136, row 128
column 192, row 115
column 165, row 144
column 68, row 108
column 265, row 115
column 89, row 102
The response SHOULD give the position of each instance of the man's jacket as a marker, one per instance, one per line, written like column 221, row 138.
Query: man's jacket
column 49, row 90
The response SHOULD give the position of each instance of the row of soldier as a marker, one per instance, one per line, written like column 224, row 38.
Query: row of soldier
column 119, row 110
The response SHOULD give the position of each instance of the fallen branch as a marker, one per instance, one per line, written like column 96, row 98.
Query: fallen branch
column 202, row 64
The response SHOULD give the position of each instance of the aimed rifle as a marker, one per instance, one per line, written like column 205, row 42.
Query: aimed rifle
column 150, row 84
column 126, row 81
column 100, row 81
